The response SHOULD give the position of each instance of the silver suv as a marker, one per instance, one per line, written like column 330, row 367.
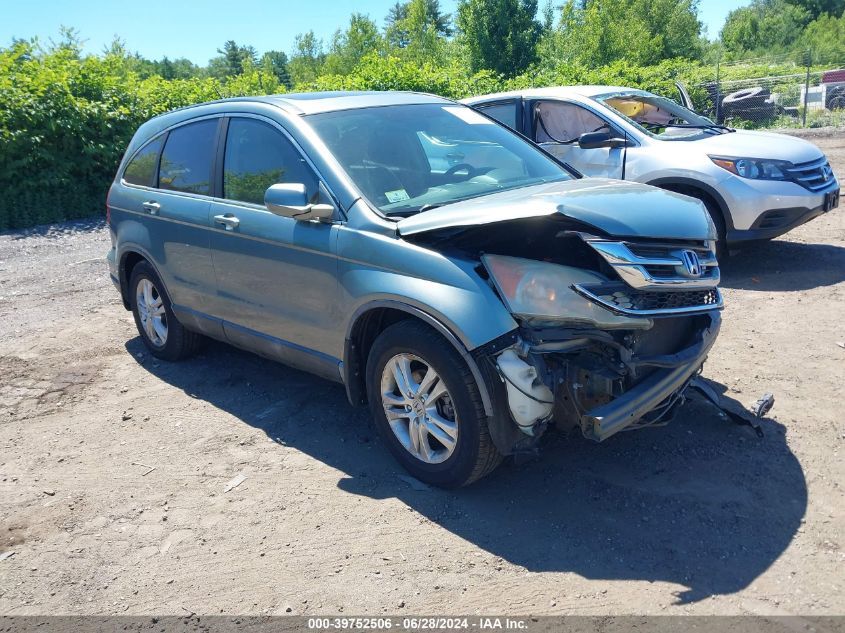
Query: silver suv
column 756, row 185
column 471, row 304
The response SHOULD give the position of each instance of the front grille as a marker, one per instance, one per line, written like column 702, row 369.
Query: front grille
column 668, row 253
column 660, row 266
column 814, row 175
column 623, row 299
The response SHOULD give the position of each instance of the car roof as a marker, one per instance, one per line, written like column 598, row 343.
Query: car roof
column 555, row 92
column 297, row 103
column 330, row 101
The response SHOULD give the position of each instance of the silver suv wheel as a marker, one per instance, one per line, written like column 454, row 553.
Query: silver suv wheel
column 419, row 408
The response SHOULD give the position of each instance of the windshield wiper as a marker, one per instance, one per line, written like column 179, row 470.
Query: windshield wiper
column 409, row 211
column 698, row 126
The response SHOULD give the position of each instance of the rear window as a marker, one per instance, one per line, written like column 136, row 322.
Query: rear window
column 141, row 170
column 187, row 158
column 504, row 113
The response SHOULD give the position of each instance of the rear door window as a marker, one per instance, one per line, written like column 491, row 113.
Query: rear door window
column 141, row 170
column 504, row 113
column 187, row 158
column 258, row 156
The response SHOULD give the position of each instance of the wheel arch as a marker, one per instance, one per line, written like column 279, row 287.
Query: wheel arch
column 697, row 189
column 129, row 258
column 370, row 320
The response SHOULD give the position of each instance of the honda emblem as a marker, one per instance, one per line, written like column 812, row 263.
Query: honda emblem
column 692, row 265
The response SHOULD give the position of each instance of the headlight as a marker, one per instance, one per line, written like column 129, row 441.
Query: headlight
column 543, row 292
column 754, row 168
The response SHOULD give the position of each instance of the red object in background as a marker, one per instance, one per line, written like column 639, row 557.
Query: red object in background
column 833, row 76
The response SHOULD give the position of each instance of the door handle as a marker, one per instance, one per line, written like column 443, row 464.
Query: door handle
column 152, row 206
column 228, row 220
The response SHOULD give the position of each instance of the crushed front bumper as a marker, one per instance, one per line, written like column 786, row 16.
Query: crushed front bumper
column 674, row 373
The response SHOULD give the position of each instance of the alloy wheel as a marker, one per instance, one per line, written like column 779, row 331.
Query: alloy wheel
column 419, row 408
column 151, row 311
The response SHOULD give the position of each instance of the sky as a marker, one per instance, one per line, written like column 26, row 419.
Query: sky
column 197, row 28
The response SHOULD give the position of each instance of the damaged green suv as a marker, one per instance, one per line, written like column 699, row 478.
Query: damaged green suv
column 468, row 287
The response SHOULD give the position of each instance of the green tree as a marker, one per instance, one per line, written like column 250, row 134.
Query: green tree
column 307, row 58
column 765, row 25
column 499, row 35
column 818, row 8
column 184, row 68
column 231, row 61
column 396, row 27
column 350, row 46
column 825, row 38
column 419, row 34
column 276, row 63
column 70, row 42
column 600, row 32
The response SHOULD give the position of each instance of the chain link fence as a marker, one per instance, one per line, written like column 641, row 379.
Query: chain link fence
column 804, row 98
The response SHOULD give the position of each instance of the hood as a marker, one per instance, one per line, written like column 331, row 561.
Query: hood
column 750, row 144
column 615, row 207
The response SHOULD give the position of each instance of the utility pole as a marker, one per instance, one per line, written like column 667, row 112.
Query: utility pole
column 807, row 60
column 718, row 88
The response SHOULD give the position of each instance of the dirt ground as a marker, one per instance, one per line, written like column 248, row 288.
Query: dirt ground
column 114, row 469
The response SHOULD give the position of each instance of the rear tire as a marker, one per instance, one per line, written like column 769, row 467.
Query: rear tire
column 437, row 428
column 161, row 332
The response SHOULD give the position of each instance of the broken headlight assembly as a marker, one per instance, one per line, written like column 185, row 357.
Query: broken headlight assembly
column 541, row 294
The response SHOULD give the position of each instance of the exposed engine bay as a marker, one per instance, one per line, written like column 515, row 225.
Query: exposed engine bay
column 611, row 331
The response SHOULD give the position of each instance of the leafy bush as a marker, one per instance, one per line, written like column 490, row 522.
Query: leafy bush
column 65, row 122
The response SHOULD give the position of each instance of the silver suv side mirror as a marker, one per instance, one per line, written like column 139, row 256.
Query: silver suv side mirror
column 596, row 140
column 290, row 200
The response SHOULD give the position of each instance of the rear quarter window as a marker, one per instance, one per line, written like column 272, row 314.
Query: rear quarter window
column 187, row 158
column 141, row 170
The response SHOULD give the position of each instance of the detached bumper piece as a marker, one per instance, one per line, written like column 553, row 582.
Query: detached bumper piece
column 660, row 388
column 760, row 408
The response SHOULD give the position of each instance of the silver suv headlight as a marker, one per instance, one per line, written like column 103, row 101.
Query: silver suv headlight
column 754, row 168
column 542, row 292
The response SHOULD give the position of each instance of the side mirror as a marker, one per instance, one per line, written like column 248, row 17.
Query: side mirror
column 290, row 200
column 596, row 140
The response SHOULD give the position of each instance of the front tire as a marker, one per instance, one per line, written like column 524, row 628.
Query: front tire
column 715, row 214
column 427, row 407
column 722, row 252
column 161, row 332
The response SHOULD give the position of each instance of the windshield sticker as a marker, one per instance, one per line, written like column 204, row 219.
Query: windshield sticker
column 397, row 196
column 468, row 115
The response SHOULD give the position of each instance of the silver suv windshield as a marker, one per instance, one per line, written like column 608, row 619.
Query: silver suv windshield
column 661, row 117
column 407, row 159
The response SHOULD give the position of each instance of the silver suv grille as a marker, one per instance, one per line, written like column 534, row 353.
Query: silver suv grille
column 660, row 266
column 814, row 175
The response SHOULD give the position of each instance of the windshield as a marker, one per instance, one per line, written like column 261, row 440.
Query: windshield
column 410, row 158
column 661, row 117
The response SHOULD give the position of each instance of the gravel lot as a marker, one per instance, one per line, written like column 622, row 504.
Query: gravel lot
column 114, row 468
